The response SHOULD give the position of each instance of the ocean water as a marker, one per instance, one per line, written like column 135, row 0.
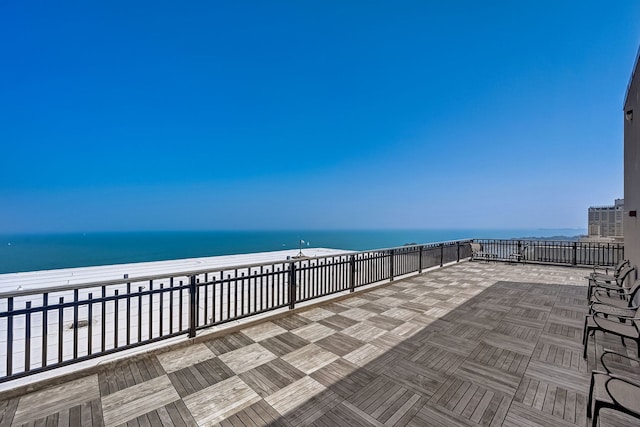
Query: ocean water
column 29, row 252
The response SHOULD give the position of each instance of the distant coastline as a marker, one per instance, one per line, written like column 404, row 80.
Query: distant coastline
column 29, row 252
column 561, row 238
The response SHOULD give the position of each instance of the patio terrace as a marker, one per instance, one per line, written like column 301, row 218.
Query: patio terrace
column 470, row 344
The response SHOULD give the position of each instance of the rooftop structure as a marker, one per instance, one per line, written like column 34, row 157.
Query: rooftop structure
column 469, row 344
column 631, row 120
column 606, row 221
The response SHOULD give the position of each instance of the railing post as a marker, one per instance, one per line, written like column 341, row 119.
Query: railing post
column 292, row 286
column 458, row 251
column 575, row 253
column 193, row 306
column 420, row 260
column 391, row 252
column 352, row 273
column 441, row 254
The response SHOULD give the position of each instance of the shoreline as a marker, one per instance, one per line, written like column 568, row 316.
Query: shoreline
column 25, row 253
column 38, row 279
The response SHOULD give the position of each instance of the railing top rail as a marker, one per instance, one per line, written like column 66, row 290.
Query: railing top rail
column 415, row 246
column 186, row 273
column 550, row 241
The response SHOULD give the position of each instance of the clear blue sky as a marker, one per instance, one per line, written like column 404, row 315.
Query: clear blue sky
column 311, row 115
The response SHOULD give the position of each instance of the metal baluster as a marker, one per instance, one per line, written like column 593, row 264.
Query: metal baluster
column 140, row 314
column 161, row 308
column 27, row 338
column 90, row 325
column 180, row 306
column 150, row 309
column 115, row 332
column 129, row 314
column 103, row 316
column 171, row 305
column 60, row 328
column 45, row 327
column 75, row 323
column 193, row 306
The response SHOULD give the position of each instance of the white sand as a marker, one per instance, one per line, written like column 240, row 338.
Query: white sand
column 143, row 313
column 10, row 282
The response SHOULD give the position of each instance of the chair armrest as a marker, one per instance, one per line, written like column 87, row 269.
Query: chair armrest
column 619, row 316
column 612, row 285
column 609, row 309
column 625, row 398
column 598, row 315
column 601, row 268
column 614, row 353
column 612, row 310
column 631, row 307
column 603, row 290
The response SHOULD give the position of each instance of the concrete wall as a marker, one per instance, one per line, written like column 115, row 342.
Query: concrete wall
column 632, row 169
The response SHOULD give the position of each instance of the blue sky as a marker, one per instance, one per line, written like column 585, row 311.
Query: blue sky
column 311, row 115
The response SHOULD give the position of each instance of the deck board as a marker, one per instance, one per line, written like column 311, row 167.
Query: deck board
column 471, row 344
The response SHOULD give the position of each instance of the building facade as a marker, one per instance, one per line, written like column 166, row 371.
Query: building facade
column 607, row 221
column 631, row 118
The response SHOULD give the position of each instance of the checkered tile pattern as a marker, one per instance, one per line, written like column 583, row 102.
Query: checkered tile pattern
column 470, row 344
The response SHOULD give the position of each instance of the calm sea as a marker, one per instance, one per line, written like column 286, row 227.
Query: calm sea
column 28, row 252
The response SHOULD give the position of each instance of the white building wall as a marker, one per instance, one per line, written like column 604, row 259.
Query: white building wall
column 631, row 118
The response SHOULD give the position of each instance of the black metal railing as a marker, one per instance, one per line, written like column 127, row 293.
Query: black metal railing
column 48, row 328
column 554, row 251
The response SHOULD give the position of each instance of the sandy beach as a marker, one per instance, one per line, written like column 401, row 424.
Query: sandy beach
column 10, row 282
column 117, row 323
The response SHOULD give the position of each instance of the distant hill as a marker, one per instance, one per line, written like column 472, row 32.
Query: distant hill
column 563, row 238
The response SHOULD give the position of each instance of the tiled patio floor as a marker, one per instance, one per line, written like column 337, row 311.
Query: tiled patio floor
column 470, row 344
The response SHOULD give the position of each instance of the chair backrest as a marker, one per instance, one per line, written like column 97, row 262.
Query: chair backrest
column 476, row 247
column 624, row 274
column 633, row 290
column 620, row 266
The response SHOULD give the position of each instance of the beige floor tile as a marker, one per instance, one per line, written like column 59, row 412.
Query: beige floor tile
column 217, row 402
column 390, row 301
column 363, row 332
column 354, row 302
column 130, row 403
column 263, row 331
column 247, row 358
column 310, row 358
column 364, row 354
column 408, row 329
column 313, row 332
column 400, row 314
column 55, row 399
column 316, row 314
column 358, row 314
column 294, row 395
column 181, row 358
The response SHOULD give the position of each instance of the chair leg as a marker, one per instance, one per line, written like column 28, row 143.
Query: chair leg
column 585, row 337
column 584, row 329
column 585, row 343
column 589, row 402
column 596, row 412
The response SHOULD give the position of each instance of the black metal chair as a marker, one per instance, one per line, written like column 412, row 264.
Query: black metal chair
column 622, row 326
column 518, row 255
column 612, row 284
column 622, row 298
column 478, row 253
column 608, row 273
column 603, row 393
